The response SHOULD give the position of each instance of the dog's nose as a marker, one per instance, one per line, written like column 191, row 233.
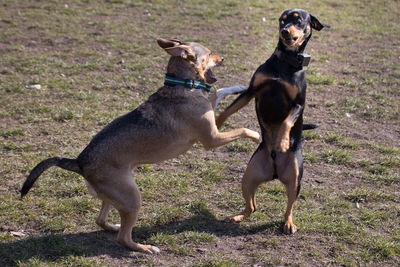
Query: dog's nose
column 285, row 33
column 222, row 59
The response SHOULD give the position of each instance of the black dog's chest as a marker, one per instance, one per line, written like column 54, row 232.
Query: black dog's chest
column 275, row 100
column 273, row 105
column 296, row 78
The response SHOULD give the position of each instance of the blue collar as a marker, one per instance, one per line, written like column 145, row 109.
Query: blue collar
column 169, row 80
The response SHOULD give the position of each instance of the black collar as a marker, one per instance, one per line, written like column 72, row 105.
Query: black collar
column 295, row 60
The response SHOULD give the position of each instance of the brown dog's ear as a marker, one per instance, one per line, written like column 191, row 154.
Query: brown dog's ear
column 315, row 24
column 165, row 43
column 176, row 48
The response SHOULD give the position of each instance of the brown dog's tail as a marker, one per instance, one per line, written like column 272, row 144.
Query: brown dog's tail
column 66, row 164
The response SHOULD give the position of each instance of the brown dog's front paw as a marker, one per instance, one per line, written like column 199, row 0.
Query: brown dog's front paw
column 253, row 136
column 289, row 228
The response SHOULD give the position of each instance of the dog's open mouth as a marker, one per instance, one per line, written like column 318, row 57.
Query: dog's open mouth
column 210, row 76
column 290, row 40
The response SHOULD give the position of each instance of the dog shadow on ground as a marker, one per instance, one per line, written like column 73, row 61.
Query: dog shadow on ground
column 51, row 248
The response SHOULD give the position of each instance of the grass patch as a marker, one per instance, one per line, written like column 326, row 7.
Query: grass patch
column 240, row 146
column 96, row 60
column 365, row 195
column 217, row 260
column 319, row 79
column 380, row 248
column 8, row 133
column 337, row 156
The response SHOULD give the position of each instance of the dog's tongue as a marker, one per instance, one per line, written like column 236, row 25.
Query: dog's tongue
column 210, row 74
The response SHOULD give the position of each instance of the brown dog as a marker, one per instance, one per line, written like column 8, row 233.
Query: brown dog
column 163, row 127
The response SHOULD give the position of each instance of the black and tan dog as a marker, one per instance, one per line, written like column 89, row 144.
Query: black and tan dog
column 166, row 125
column 279, row 89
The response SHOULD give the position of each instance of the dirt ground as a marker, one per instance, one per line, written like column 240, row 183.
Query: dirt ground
column 348, row 211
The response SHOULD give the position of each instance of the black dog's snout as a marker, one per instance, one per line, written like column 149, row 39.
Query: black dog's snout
column 285, row 33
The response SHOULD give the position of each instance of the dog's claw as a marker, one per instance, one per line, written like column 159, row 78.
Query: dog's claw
column 289, row 228
column 148, row 249
column 155, row 250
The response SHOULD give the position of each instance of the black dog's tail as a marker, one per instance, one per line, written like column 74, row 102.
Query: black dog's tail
column 309, row 126
column 66, row 164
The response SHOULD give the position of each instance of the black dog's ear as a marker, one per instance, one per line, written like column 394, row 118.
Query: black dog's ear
column 315, row 24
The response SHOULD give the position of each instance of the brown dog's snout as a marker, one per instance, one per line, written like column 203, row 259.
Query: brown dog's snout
column 218, row 60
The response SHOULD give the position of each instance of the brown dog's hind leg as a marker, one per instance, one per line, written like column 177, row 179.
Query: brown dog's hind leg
column 102, row 219
column 258, row 170
column 129, row 203
column 119, row 188
column 128, row 219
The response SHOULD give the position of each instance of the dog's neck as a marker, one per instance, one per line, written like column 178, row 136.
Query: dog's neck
column 180, row 68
